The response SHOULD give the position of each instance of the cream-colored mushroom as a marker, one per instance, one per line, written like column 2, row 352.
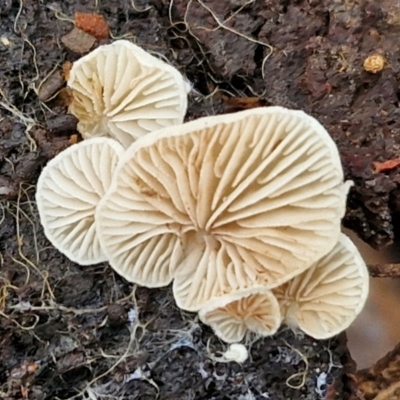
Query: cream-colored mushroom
column 250, row 310
column 236, row 352
column 325, row 299
column 120, row 90
column 68, row 191
column 223, row 203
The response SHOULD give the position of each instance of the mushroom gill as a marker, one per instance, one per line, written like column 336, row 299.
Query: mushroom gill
column 121, row 91
column 224, row 203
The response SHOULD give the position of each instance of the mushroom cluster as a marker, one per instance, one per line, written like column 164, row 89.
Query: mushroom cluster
column 119, row 92
column 242, row 212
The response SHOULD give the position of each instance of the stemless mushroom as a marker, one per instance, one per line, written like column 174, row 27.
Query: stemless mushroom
column 231, row 316
column 325, row 299
column 120, row 90
column 68, row 191
column 224, row 203
column 236, row 352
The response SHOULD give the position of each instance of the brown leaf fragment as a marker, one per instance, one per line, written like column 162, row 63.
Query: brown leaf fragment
column 62, row 124
column 242, row 103
column 49, row 145
column 63, row 99
column 94, row 24
column 74, row 139
column 66, row 68
column 70, row 361
column 51, row 86
column 384, row 270
column 331, row 393
column 78, row 41
column 386, row 165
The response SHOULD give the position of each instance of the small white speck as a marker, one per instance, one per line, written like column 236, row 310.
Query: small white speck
column 23, row 305
column 202, row 371
column 5, row 41
column 137, row 374
column 321, row 381
column 132, row 316
column 182, row 343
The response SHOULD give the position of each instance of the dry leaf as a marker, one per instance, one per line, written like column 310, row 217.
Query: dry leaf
column 94, row 24
column 386, row 165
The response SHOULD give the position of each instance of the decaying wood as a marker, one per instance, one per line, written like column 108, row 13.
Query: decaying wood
column 381, row 381
column 385, row 270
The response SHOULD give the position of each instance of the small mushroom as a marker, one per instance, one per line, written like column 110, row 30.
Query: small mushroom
column 231, row 316
column 223, row 203
column 325, row 299
column 236, row 352
column 68, row 191
column 120, row 90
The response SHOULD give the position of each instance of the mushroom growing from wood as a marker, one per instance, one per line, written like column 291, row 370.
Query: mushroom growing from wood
column 326, row 298
column 120, row 90
column 68, row 191
column 250, row 310
column 224, row 203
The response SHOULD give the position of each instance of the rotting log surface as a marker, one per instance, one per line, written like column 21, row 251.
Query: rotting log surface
column 381, row 381
column 71, row 331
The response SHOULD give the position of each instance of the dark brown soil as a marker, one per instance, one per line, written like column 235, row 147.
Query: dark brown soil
column 82, row 332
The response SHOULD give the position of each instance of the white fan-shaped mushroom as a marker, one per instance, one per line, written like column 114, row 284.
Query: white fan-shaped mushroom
column 120, row 90
column 68, row 191
column 223, row 203
column 325, row 299
column 231, row 316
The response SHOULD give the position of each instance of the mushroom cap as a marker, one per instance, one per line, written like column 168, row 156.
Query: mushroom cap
column 120, row 90
column 224, row 202
column 68, row 191
column 325, row 299
column 254, row 309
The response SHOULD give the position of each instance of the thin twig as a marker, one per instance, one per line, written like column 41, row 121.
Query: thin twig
column 385, row 270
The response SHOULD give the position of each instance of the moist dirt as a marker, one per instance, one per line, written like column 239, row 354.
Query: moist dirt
column 68, row 331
